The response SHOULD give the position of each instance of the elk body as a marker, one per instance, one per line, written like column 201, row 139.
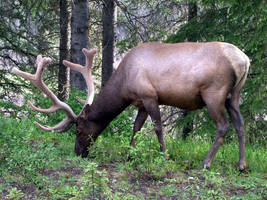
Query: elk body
column 185, row 75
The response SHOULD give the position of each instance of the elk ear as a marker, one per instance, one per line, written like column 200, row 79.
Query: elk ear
column 86, row 110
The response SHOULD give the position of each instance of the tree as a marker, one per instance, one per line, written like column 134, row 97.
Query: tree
column 63, row 71
column 108, row 39
column 27, row 28
column 142, row 21
column 79, row 39
column 192, row 15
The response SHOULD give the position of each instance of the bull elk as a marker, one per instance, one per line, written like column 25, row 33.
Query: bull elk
column 185, row 75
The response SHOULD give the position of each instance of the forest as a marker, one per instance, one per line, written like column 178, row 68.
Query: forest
column 38, row 164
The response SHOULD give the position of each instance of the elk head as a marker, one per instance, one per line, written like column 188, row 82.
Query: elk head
column 84, row 130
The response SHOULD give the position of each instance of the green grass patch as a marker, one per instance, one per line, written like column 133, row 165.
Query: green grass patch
column 42, row 165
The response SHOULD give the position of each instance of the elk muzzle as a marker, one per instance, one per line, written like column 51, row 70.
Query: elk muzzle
column 80, row 149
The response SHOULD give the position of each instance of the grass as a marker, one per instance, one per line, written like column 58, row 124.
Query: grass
column 40, row 165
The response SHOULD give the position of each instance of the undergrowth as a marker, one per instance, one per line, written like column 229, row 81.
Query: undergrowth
column 40, row 165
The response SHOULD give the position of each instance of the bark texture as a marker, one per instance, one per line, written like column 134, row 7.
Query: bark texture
column 63, row 71
column 108, row 40
column 79, row 39
column 192, row 13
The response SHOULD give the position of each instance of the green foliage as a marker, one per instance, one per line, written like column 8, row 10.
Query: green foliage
column 145, row 156
column 153, row 23
column 22, row 155
column 94, row 184
column 33, row 160
column 27, row 28
column 15, row 194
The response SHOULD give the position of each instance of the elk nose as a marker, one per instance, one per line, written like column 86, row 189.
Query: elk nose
column 84, row 153
column 80, row 150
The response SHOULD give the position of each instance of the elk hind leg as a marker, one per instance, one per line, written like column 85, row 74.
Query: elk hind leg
column 232, row 106
column 216, row 109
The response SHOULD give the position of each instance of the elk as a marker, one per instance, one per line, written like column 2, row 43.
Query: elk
column 185, row 75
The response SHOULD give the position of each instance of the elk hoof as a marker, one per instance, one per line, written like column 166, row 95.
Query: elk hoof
column 242, row 166
column 166, row 157
column 203, row 166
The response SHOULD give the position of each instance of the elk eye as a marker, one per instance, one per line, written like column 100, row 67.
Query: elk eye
column 78, row 132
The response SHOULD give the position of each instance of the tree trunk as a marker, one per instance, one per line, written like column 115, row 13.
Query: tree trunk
column 188, row 126
column 79, row 39
column 63, row 71
column 108, row 40
column 192, row 13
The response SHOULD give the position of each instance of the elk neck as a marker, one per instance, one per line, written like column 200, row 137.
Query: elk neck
column 109, row 103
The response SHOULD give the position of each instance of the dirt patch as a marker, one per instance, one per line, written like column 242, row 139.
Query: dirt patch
column 237, row 191
column 73, row 171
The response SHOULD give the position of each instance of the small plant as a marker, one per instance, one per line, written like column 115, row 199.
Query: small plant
column 15, row 194
column 93, row 184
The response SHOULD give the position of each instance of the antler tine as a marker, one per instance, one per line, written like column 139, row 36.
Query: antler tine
column 89, row 54
column 86, row 71
column 36, row 79
column 53, row 108
column 62, row 126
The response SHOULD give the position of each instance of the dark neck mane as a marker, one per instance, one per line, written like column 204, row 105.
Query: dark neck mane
column 109, row 103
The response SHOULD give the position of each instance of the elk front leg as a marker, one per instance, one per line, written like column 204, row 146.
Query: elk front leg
column 152, row 108
column 138, row 123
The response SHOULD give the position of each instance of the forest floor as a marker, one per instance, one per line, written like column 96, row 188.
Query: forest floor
column 68, row 183
column 40, row 165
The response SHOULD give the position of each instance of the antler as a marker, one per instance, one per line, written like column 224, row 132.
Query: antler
column 86, row 71
column 36, row 79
